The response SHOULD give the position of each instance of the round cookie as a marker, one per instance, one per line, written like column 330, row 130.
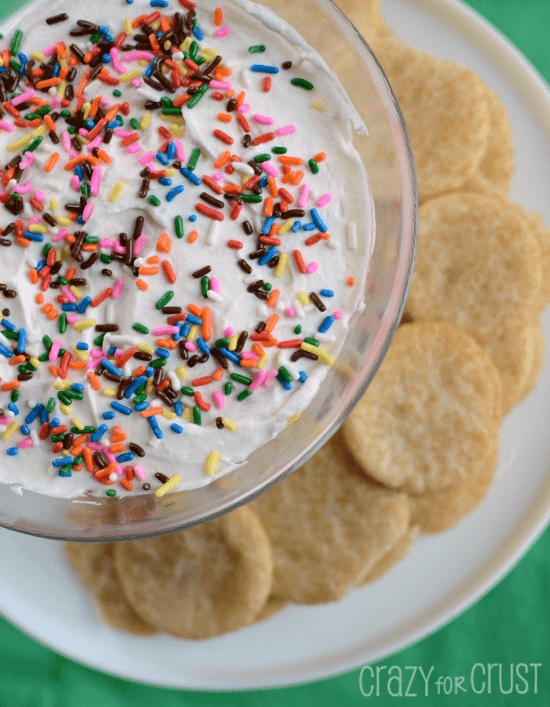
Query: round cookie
column 430, row 412
column 202, row 581
column 95, row 565
column 398, row 551
column 540, row 230
column 328, row 526
column 478, row 267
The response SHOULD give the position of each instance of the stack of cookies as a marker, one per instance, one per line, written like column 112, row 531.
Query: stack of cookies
column 420, row 449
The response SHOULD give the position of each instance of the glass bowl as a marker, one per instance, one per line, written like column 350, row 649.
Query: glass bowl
column 387, row 156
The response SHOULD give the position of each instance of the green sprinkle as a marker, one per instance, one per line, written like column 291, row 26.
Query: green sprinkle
column 196, row 415
column 34, row 144
column 262, row 158
column 117, row 93
column 228, row 388
column 245, row 394
column 64, row 397
column 15, row 65
column 22, row 369
column 85, row 189
column 251, row 198
column 89, row 429
column 91, row 239
column 267, row 286
column 47, row 342
column 134, row 123
column 193, row 49
column 140, row 391
column 46, row 249
column 12, row 335
column 16, row 42
column 298, row 329
column 65, row 113
column 58, row 438
column 142, row 397
column 98, row 341
column 313, row 166
column 241, row 379
column 178, row 224
column 205, row 285
column 222, row 342
column 110, row 492
column 285, row 374
column 62, row 322
column 166, row 102
column 63, row 280
column 257, row 48
column 158, row 362
column 31, row 116
column 302, row 83
column 120, row 120
column 192, row 102
column 105, row 258
column 187, row 390
column 43, row 110
column 163, row 301
column 14, row 396
column 78, row 460
column 95, row 36
column 65, row 470
column 74, row 394
column 154, row 200
column 71, row 130
column 200, row 60
column 194, row 159
column 279, row 150
column 312, row 341
column 140, row 327
column 172, row 111
column 43, row 357
column 50, row 405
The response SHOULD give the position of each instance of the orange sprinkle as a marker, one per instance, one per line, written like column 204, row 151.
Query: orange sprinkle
column 47, row 308
column 258, row 350
column 166, row 343
column 272, row 184
column 273, row 297
column 148, row 271
column 151, row 411
column 89, row 247
column 271, row 323
column 270, row 343
column 194, row 309
column 48, row 82
column 77, row 365
column 61, row 51
column 33, row 276
column 103, row 156
column 192, row 237
column 79, row 441
column 94, row 382
column 319, row 157
column 224, row 70
column 164, row 24
column 88, row 460
column 297, row 177
column 218, row 16
column 206, row 316
column 111, row 114
column 71, row 272
column 52, row 315
column 224, row 117
column 39, row 298
column 230, row 93
column 142, row 285
column 16, row 359
column 268, row 206
column 233, row 188
column 351, row 281
column 36, row 123
column 139, row 371
column 217, row 375
column 222, row 159
column 240, row 99
column 10, row 386
column 82, row 85
column 169, row 271
column 23, row 241
column 164, row 243
column 180, row 100
column 52, row 161
column 77, row 450
column 128, row 485
column 249, row 362
column 285, row 159
column 114, row 448
column 105, row 472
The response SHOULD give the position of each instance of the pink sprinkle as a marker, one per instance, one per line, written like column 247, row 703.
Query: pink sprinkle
column 244, row 108
column 39, row 195
column 50, row 50
column 222, row 32
column 120, row 132
column 115, row 62
column 7, row 126
column 321, row 201
column 250, row 355
column 55, row 102
column 263, row 119
column 221, row 85
column 312, row 267
column 180, row 152
column 135, row 56
column 214, row 284
column 136, row 83
column 97, row 353
column 304, row 195
column 5, row 420
column 258, row 380
column 75, row 182
column 68, row 294
column 140, row 242
column 72, row 318
column 104, row 101
column 24, row 443
column 119, row 248
column 139, row 471
column 190, row 346
column 73, row 154
column 56, row 345
column 228, row 332
column 338, row 314
column 34, row 219
column 83, row 132
column 219, row 400
column 147, row 157
column 96, row 142
column 270, row 169
column 87, row 211
column 110, row 456
column 217, row 176
column 28, row 161
column 106, row 243
column 66, row 141
column 290, row 312
column 117, row 288
column 60, row 235
column 23, row 188
column 23, row 97
column 133, row 148
column 270, row 376
column 286, row 130
column 161, row 331
column 95, row 181
column 95, row 446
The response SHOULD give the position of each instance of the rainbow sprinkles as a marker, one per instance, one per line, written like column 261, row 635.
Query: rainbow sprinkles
column 184, row 228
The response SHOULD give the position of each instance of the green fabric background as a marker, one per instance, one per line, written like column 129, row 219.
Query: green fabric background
column 508, row 626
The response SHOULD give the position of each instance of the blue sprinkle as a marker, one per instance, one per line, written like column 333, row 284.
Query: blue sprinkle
column 162, row 353
column 90, row 124
column 185, row 328
column 174, row 192
column 112, row 125
column 161, row 157
column 109, row 414
column 159, row 3
column 13, row 407
column 155, row 427
column 82, row 346
column 119, row 407
column 264, row 69
column 176, row 335
column 171, row 151
column 83, row 305
column 40, row 265
column 69, row 307
column 176, row 428
column 318, row 220
column 111, row 367
column 98, row 434
column 150, row 371
column 38, row 237
column 62, row 461
column 326, row 324
column 178, row 408
column 134, row 386
column 55, row 422
column 33, row 414
column 129, row 2
column 66, row 474
column 270, row 220
column 192, row 319
column 302, row 377
column 126, row 457
column 25, row 429
column 21, row 341
column 12, row 451
column 191, row 176
column 198, row 34
column 106, row 59
column 297, row 226
column 263, row 181
column 79, row 172
column 231, row 355
column 286, row 385
column 43, row 415
column 149, row 70
column 77, row 386
column 7, row 324
column 165, row 181
column 56, row 70
column 193, row 217
column 141, row 406
column 4, row 350
column 271, row 253
column 80, row 221
column 327, row 293
column 308, row 227
column 112, row 351
column 203, row 346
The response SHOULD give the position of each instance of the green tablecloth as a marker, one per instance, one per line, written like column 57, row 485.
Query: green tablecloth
column 509, row 626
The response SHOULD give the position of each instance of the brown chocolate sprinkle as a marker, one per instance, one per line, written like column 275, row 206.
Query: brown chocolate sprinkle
column 136, row 449
column 201, row 272
column 303, row 354
column 286, row 65
column 219, row 423
column 106, row 327
column 317, row 302
column 247, row 228
column 211, row 200
column 241, row 341
column 244, row 266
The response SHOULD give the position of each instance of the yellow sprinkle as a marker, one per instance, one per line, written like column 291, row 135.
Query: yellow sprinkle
column 244, row 179
column 233, row 339
column 167, row 45
column 66, row 409
column 145, row 120
column 39, row 131
column 293, row 418
column 108, row 392
column 229, row 424
column 184, row 46
column 155, row 25
column 11, row 429
column 143, row 62
column 86, row 324
column 86, row 108
column 62, row 385
column 263, row 361
column 77, row 422
column 318, row 106
column 208, row 53
column 37, row 228
column 212, row 463
column 149, row 387
column 176, row 130
column 130, row 75
column 281, row 265
column 63, row 221
column 145, row 348
column 172, row 481
column 287, row 225
column 82, row 355
column 323, row 355
column 1, row 62
column 169, row 415
column 20, row 144
column 187, row 413
column 193, row 332
column 66, row 250
column 128, row 29
column 116, row 191
column 61, row 89
column 65, row 452
column 38, row 56
column 76, row 292
column 181, row 373
column 53, row 205
column 302, row 298
column 34, row 361
column 170, row 172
